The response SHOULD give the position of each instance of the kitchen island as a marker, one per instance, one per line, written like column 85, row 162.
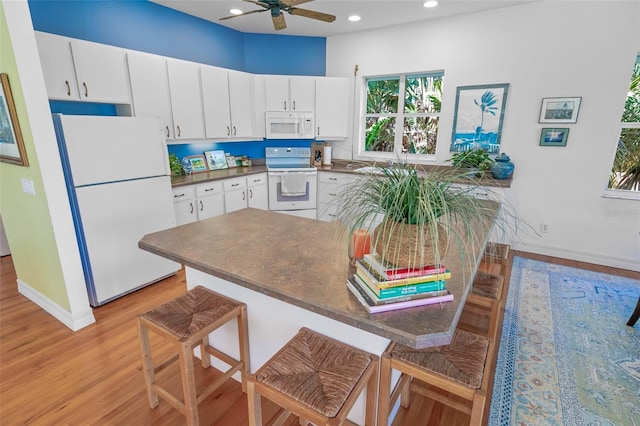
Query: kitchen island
column 291, row 272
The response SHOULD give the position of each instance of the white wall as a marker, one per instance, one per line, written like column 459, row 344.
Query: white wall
column 545, row 49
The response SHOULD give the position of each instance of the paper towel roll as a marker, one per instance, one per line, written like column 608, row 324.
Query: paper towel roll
column 326, row 155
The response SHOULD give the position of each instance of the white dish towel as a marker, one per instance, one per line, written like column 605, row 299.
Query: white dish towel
column 293, row 184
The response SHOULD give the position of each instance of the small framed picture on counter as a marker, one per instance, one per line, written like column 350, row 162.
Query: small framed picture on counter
column 198, row 163
column 216, row 159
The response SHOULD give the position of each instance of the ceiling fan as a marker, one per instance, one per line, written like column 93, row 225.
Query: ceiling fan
column 276, row 7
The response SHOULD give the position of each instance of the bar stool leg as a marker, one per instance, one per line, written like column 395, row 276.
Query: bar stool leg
column 206, row 359
column 243, row 339
column 255, row 407
column 189, row 384
column 372, row 388
column 147, row 365
column 384, row 392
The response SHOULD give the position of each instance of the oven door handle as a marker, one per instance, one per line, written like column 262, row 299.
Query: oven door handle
column 284, row 173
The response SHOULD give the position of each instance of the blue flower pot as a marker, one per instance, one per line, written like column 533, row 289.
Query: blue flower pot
column 502, row 167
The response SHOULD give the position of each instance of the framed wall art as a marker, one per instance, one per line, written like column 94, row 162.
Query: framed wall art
column 216, row 159
column 198, row 163
column 11, row 143
column 477, row 121
column 559, row 110
column 554, row 137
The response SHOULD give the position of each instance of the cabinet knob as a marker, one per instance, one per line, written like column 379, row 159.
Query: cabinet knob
column 294, row 105
column 250, row 193
column 318, row 130
column 167, row 128
column 244, row 195
column 228, row 131
column 86, row 90
column 178, row 195
column 234, row 131
column 191, row 205
column 285, row 105
column 201, row 205
column 68, row 87
column 178, row 128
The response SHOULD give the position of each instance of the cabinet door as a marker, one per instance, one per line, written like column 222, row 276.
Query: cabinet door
column 57, row 67
column 186, row 99
column 101, row 71
column 215, row 101
column 235, row 200
column 332, row 103
column 302, row 93
column 241, row 103
column 210, row 206
column 150, row 89
column 184, row 205
column 277, row 93
column 258, row 191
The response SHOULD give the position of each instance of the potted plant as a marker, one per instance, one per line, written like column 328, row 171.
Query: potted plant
column 477, row 161
column 175, row 165
column 413, row 217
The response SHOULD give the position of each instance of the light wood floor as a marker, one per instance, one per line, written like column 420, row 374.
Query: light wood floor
column 50, row 375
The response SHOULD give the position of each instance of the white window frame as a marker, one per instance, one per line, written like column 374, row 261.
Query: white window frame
column 399, row 115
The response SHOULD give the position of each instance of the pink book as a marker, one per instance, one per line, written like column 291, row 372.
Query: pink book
column 373, row 309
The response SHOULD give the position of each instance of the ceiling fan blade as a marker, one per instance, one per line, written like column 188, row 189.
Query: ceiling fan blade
column 242, row 14
column 294, row 2
column 259, row 3
column 278, row 22
column 312, row 14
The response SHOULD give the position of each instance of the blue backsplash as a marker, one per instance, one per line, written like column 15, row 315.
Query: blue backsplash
column 250, row 149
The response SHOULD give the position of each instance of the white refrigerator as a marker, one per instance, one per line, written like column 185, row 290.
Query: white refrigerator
column 119, row 187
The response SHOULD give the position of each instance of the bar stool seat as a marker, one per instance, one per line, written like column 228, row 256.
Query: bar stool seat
column 186, row 322
column 316, row 378
column 438, row 373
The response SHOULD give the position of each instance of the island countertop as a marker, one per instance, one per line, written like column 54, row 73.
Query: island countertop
column 304, row 262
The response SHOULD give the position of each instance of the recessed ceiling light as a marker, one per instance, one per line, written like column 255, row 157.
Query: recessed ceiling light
column 430, row 3
column 235, row 12
column 354, row 18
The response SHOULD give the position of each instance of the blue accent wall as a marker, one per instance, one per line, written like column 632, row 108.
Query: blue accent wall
column 287, row 55
column 250, row 149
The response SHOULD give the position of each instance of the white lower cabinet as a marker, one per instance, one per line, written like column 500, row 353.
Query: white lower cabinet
column 235, row 194
column 197, row 202
column 210, row 199
column 330, row 187
column 184, row 204
column 258, row 191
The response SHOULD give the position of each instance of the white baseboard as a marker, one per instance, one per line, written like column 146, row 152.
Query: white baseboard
column 598, row 259
column 74, row 321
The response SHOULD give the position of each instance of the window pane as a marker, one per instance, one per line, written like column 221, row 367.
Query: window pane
column 632, row 105
column 625, row 173
column 423, row 94
column 420, row 134
column 382, row 95
column 380, row 133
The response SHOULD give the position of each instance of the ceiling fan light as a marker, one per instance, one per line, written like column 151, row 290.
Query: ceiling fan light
column 235, row 11
column 430, row 3
column 354, row 18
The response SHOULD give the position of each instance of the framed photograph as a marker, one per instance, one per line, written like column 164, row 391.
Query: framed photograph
column 231, row 161
column 216, row 160
column 478, row 116
column 554, row 137
column 559, row 110
column 11, row 143
column 198, row 163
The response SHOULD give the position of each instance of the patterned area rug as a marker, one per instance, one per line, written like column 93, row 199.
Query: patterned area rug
column 566, row 356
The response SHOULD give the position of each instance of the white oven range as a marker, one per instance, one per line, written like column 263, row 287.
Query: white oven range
column 292, row 181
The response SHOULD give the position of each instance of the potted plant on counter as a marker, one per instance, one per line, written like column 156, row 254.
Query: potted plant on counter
column 414, row 217
column 477, row 161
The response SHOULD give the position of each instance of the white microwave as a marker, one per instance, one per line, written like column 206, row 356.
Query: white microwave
column 289, row 125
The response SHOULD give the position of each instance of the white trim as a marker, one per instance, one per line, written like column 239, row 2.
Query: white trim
column 74, row 321
column 621, row 194
column 598, row 259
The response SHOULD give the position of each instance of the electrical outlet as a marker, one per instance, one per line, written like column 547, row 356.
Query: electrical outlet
column 27, row 186
column 544, row 228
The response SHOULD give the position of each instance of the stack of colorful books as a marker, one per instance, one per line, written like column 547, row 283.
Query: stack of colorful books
column 381, row 287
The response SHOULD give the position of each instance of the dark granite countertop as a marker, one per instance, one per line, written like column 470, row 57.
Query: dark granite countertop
column 209, row 176
column 350, row 167
column 304, row 262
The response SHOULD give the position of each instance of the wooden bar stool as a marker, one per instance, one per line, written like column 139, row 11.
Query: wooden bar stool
column 486, row 294
column 452, row 375
column 186, row 322
column 496, row 257
column 316, row 378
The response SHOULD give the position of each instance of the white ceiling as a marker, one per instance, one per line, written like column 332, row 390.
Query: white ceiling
column 374, row 13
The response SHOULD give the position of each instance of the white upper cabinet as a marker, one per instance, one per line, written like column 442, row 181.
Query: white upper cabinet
column 150, row 88
column 81, row 70
column 290, row 94
column 332, row 108
column 186, row 99
column 228, row 103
